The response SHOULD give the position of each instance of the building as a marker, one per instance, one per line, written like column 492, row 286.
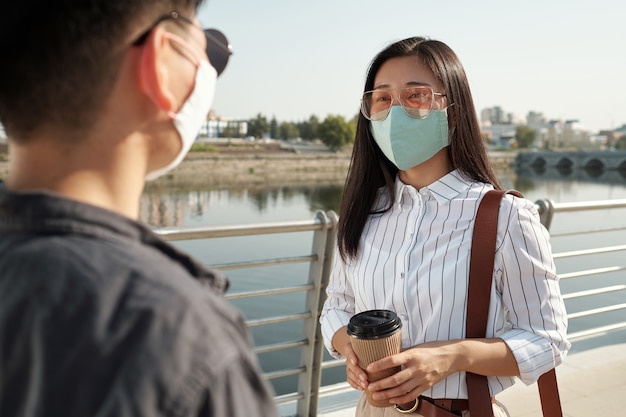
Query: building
column 495, row 116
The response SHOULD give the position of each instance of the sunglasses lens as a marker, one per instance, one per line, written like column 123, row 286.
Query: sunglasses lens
column 218, row 49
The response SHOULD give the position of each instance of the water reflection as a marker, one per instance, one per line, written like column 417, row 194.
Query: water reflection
column 171, row 208
column 178, row 207
column 564, row 172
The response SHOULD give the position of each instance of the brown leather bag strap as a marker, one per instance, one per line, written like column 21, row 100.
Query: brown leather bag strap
column 549, row 394
column 480, row 281
column 479, row 287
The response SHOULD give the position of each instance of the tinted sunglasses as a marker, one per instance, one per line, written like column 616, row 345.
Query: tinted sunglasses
column 217, row 47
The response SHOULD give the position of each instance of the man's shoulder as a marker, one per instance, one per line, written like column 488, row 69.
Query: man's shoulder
column 136, row 279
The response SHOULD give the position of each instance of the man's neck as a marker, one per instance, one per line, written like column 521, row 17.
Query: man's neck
column 101, row 176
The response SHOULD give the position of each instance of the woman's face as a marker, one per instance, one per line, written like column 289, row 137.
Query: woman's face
column 408, row 71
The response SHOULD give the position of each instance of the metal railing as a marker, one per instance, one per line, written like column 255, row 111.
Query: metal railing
column 309, row 390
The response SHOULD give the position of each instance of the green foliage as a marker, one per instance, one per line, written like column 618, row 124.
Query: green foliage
column 621, row 143
column 258, row 126
column 336, row 132
column 308, row 129
column 288, row 130
column 231, row 131
column 524, row 136
column 202, row 147
column 273, row 128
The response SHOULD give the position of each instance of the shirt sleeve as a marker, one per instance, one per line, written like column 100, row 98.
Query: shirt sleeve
column 239, row 391
column 339, row 305
column 232, row 383
column 536, row 316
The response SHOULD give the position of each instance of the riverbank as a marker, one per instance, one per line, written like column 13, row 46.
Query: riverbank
column 269, row 169
column 262, row 168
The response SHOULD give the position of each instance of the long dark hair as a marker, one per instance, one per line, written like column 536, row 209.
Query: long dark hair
column 370, row 169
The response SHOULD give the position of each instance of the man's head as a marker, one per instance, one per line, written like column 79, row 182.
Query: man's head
column 61, row 59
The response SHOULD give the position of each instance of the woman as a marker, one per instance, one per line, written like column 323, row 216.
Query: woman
column 419, row 169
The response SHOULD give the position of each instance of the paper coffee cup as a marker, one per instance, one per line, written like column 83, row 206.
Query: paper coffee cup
column 375, row 334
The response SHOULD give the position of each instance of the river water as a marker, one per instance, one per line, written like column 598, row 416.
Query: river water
column 186, row 207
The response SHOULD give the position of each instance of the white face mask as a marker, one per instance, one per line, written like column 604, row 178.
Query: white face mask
column 191, row 116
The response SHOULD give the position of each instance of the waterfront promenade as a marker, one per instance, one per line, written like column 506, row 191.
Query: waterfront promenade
column 592, row 383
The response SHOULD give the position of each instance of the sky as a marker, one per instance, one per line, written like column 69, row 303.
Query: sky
column 293, row 58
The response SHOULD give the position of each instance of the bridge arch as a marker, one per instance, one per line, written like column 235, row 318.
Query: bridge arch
column 539, row 162
column 565, row 163
column 594, row 164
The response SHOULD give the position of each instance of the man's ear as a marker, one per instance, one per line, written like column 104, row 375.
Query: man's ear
column 153, row 73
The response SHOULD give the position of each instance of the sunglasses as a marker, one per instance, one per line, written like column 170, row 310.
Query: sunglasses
column 217, row 47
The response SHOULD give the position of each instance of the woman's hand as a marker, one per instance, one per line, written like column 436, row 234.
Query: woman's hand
column 355, row 375
column 423, row 366
column 429, row 363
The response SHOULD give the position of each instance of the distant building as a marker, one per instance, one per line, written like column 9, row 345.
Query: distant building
column 569, row 134
column 220, row 127
column 621, row 131
column 499, row 134
column 496, row 116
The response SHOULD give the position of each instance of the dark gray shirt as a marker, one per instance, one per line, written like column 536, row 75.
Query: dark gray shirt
column 100, row 317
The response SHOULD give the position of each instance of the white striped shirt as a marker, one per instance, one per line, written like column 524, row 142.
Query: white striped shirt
column 414, row 260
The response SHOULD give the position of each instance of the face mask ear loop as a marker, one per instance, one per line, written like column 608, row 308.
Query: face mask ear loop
column 190, row 50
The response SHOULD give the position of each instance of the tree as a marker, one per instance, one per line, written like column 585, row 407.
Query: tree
column 621, row 143
column 335, row 132
column 288, row 130
column 230, row 131
column 308, row 129
column 273, row 128
column 258, row 126
column 525, row 136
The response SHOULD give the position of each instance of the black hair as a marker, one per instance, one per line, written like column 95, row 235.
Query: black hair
column 60, row 58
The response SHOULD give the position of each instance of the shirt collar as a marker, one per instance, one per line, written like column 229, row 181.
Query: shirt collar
column 50, row 213
column 443, row 190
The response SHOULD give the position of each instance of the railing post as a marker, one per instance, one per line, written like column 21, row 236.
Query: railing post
column 546, row 212
column 312, row 353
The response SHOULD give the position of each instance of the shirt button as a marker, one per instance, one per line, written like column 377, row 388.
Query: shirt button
column 402, row 275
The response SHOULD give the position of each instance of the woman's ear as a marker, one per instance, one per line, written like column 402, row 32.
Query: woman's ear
column 154, row 76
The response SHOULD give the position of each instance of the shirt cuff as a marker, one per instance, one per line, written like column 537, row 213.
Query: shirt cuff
column 534, row 354
column 332, row 321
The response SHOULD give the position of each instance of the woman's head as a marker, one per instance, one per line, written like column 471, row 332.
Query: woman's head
column 446, row 69
column 439, row 67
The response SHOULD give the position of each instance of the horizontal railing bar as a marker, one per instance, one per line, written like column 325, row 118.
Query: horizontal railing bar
column 588, row 231
column 265, row 262
column 596, row 330
column 592, row 272
column 595, row 291
column 333, row 363
column 589, row 205
column 288, row 398
column 281, row 346
column 284, row 372
column 273, row 291
column 597, row 311
column 594, row 251
column 190, row 233
column 337, row 388
column 278, row 319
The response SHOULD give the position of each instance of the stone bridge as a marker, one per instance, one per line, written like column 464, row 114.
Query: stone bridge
column 591, row 160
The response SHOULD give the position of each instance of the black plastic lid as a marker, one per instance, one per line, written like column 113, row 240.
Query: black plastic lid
column 374, row 324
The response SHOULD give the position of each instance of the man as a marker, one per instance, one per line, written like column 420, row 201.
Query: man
column 98, row 316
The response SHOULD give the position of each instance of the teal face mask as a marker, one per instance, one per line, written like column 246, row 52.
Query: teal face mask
column 408, row 142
